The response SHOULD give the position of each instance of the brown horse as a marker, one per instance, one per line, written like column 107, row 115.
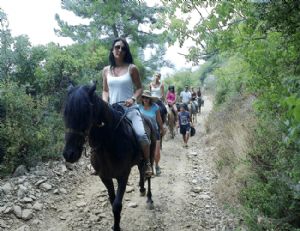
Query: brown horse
column 171, row 122
column 114, row 145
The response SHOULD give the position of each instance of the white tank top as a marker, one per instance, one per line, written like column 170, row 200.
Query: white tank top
column 156, row 91
column 120, row 87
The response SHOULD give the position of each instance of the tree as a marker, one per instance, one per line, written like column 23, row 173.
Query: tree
column 6, row 40
column 129, row 19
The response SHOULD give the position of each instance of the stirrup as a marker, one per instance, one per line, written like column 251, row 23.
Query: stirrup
column 148, row 169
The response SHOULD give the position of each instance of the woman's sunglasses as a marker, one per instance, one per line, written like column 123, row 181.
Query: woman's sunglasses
column 118, row 47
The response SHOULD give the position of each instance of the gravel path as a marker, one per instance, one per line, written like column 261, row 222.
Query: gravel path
column 74, row 200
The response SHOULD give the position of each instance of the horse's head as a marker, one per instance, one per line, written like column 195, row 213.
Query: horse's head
column 78, row 118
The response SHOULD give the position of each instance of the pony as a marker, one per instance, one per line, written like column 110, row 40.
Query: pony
column 193, row 109
column 171, row 121
column 114, row 146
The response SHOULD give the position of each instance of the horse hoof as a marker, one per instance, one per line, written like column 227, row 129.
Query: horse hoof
column 115, row 229
column 142, row 194
column 150, row 205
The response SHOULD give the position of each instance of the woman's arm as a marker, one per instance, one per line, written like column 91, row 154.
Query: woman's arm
column 135, row 75
column 105, row 90
column 162, row 92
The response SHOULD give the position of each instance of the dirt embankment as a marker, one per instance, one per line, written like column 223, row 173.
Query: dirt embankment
column 50, row 197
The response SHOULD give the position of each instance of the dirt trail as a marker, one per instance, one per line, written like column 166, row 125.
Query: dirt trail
column 183, row 195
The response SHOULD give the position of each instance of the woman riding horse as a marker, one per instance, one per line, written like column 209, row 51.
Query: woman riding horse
column 114, row 145
column 157, row 90
column 172, row 108
column 121, row 82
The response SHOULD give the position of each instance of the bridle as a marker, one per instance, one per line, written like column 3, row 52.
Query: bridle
column 83, row 134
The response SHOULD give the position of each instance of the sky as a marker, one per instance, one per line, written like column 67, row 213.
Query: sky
column 35, row 18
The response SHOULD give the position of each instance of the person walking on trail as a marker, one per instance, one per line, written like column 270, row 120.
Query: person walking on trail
column 151, row 110
column 122, row 83
column 157, row 90
column 186, row 96
column 171, row 100
column 184, row 124
column 199, row 99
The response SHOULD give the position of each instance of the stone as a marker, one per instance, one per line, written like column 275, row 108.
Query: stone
column 132, row 205
column 27, row 214
column 46, row 186
column 37, row 206
column 7, row 188
column 17, row 211
column 129, row 189
column 20, row 171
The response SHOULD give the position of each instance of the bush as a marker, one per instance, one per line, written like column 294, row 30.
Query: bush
column 29, row 132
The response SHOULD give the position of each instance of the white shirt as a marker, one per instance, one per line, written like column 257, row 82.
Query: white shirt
column 120, row 88
column 186, row 96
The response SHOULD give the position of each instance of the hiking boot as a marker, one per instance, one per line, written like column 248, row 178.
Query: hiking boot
column 148, row 169
column 157, row 170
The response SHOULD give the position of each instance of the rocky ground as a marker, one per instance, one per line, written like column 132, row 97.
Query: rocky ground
column 50, row 197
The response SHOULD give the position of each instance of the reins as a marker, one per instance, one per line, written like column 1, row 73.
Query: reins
column 124, row 115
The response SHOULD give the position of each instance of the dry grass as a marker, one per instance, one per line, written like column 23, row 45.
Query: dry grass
column 230, row 130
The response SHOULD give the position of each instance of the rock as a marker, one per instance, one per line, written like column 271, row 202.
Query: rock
column 62, row 190
column 132, row 205
column 23, row 228
column 37, row 206
column 40, row 182
column 204, row 196
column 196, row 189
column 129, row 189
column 17, row 211
column 7, row 188
column 46, row 186
column 20, row 171
column 27, row 214
column 8, row 210
column 27, row 200
column 81, row 204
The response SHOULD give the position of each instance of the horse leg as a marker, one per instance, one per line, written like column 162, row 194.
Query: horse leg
column 149, row 195
column 114, row 201
column 142, row 179
column 117, row 204
column 110, row 188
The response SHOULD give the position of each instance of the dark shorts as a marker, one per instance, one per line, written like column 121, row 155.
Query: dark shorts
column 184, row 129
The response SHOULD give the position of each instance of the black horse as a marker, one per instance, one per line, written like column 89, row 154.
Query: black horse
column 114, row 145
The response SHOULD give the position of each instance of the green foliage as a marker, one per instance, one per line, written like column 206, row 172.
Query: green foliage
column 258, row 44
column 106, row 20
column 273, row 192
column 30, row 132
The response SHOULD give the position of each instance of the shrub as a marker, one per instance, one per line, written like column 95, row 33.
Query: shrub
column 29, row 131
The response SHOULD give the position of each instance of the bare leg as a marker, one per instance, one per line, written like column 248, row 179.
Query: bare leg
column 157, row 157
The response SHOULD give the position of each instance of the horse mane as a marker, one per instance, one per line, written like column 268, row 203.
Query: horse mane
column 109, row 130
column 77, row 113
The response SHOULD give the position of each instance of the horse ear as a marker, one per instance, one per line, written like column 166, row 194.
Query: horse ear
column 93, row 88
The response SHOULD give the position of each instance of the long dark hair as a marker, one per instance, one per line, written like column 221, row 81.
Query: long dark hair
column 128, row 57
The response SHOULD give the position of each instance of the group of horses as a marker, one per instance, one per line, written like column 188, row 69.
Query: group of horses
column 114, row 146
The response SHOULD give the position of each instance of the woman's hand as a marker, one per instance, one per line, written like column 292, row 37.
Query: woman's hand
column 129, row 102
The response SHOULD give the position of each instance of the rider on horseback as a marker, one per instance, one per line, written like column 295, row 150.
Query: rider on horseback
column 157, row 90
column 122, row 83
column 171, row 100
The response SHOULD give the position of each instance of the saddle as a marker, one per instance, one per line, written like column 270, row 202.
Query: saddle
column 122, row 112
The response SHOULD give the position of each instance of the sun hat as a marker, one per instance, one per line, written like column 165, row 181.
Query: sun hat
column 147, row 94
